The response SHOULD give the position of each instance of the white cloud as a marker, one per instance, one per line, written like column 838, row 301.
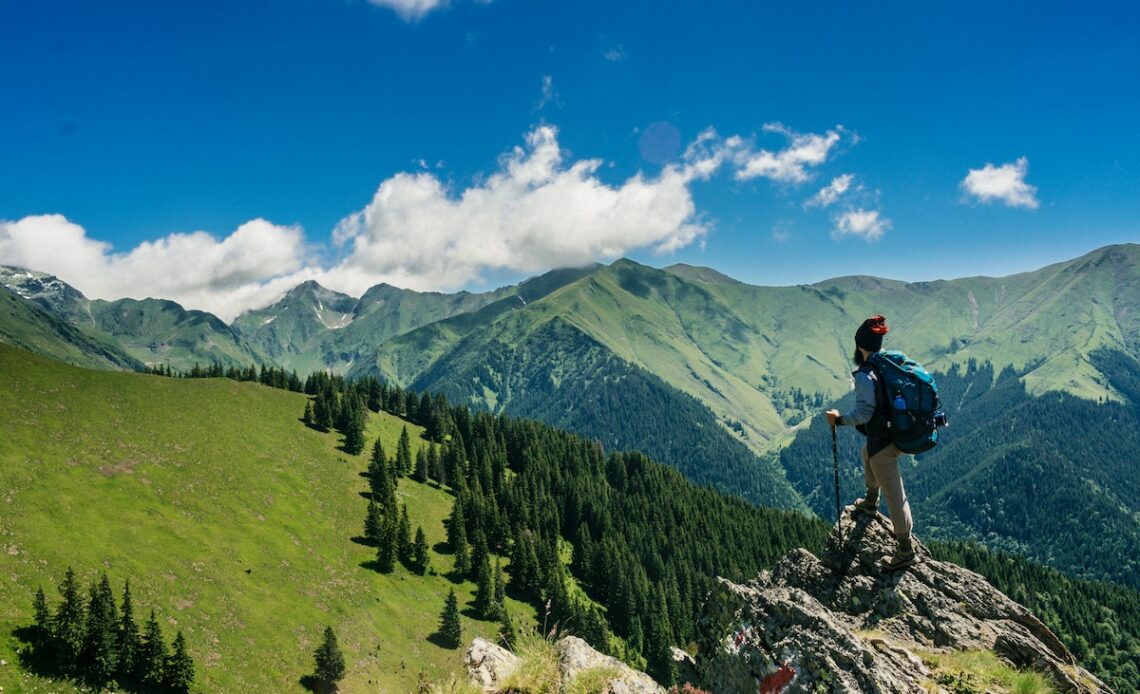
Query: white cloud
column 830, row 194
column 410, row 10
column 1005, row 183
column 615, row 54
column 865, row 224
column 791, row 164
column 536, row 212
column 251, row 266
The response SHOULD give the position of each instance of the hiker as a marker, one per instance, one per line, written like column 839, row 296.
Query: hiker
column 880, row 456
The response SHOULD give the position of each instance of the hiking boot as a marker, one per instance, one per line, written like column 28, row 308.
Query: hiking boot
column 868, row 505
column 904, row 556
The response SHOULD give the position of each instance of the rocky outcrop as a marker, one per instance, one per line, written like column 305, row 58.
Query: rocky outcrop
column 841, row 623
column 489, row 666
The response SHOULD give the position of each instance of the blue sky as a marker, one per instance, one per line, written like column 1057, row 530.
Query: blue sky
column 216, row 152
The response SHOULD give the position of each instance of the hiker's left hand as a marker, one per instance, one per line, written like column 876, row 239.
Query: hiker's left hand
column 832, row 415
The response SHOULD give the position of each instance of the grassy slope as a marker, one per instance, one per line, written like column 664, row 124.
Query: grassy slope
column 183, row 486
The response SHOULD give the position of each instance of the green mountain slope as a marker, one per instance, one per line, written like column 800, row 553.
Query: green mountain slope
column 559, row 375
column 761, row 359
column 228, row 516
column 27, row 326
column 1043, row 323
column 156, row 331
column 314, row 328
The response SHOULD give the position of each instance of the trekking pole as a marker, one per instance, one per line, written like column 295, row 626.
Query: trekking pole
column 835, row 461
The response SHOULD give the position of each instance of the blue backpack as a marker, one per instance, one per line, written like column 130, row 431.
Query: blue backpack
column 913, row 412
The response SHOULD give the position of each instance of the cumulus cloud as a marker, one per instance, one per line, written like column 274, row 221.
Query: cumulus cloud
column 537, row 209
column 250, row 267
column 535, row 212
column 865, row 224
column 830, row 194
column 615, row 54
column 1005, row 183
column 791, row 164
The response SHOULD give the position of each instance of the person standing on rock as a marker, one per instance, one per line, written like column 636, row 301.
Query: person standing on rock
column 880, row 456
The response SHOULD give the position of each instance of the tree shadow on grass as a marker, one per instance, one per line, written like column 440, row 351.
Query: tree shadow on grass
column 38, row 661
column 438, row 639
column 470, row 613
column 441, row 548
column 312, row 684
column 361, row 540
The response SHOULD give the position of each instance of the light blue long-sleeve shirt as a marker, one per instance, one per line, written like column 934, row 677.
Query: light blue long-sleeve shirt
column 864, row 399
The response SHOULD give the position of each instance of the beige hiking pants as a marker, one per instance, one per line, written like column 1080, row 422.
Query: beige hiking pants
column 881, row 471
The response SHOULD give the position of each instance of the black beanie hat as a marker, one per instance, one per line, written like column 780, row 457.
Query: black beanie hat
column 869, row 336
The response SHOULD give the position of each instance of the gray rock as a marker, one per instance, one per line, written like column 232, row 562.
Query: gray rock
column 841, row 623
column 575, row 655
column 489, row 664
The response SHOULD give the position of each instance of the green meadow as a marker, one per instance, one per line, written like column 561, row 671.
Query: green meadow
column 232, row 520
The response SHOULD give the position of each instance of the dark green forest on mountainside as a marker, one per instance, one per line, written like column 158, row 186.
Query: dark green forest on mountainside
column 562, row 377
column 1050, row 477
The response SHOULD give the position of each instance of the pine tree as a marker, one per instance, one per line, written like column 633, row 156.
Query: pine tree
column 421, row 473
column 42, row 624
column 69, row 618
column 354, row 435
column 420, row 560
column 351, row 424
column 484, row 600
column 500, row 587
column 100, row 634
column 457, row 539
column 434, row 465
column 373, row 523
column 128, row 637
column 152, row 655
column 450, row 629
column 404, row 536
column 307, row 418
column 389, row 547
column 380, row 478
column 330, row 661
column 404, row 454
column 179, row 667
column 323, row 409
column 479, row 553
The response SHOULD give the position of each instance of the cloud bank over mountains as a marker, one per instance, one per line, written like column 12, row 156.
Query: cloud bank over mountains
column 538, row 209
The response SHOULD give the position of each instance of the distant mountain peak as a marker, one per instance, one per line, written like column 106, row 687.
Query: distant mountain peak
column 32, row 284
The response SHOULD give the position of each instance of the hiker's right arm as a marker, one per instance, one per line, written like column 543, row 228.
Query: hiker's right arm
column 864, row 401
